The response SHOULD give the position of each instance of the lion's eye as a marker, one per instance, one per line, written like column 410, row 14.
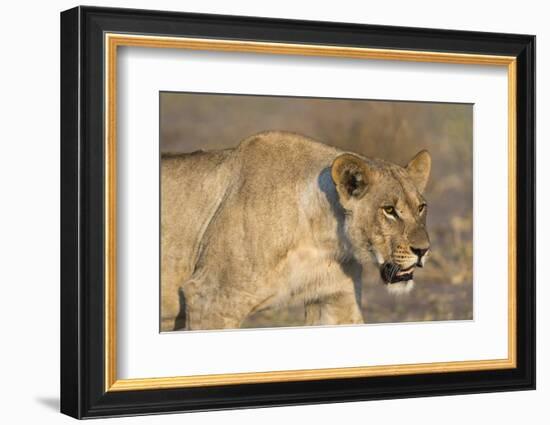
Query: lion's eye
column 421, row 208
column 390, row 210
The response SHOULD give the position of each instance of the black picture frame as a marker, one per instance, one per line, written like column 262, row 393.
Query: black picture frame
column 83, row 392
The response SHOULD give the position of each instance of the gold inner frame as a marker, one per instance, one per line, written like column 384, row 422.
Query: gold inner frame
column 113, row 41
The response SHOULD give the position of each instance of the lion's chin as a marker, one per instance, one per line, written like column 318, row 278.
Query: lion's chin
column 400, row 288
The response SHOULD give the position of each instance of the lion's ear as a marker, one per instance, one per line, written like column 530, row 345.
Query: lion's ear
column 419, row 169
column 350, row 175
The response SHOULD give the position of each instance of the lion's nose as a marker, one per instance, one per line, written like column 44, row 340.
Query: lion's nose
column 419, row 252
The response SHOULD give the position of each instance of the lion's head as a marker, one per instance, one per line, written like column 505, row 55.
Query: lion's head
column 385, row 213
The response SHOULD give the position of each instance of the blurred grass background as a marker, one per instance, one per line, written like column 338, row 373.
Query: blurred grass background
column 390, row 130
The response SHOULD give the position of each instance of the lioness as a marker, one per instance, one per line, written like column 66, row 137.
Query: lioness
column 282, row 218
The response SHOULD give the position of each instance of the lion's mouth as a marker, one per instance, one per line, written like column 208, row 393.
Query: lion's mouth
column 392, row 273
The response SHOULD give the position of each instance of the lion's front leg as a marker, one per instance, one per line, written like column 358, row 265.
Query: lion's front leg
column 336, row 309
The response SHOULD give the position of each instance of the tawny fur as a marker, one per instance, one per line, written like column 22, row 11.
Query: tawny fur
column 266, row 224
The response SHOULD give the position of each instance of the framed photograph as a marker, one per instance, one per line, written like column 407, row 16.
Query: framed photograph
column 261, row 212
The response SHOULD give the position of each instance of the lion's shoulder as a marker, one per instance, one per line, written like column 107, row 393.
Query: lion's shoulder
column 283, row 156
column 285, row 142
